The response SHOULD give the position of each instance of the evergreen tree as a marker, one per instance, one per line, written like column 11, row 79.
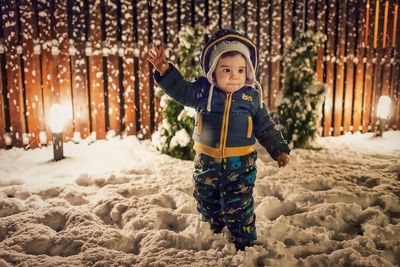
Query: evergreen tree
column 173, row 136
column 299, row 109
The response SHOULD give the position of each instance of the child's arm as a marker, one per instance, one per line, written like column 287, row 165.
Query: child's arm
column 270, row 137
column 171, row 81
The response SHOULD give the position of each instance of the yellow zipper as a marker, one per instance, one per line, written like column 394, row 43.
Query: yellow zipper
column 225, row 123
column 249, row 126
column 200, row 123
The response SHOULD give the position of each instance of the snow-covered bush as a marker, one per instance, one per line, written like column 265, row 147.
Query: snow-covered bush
column 301, row 99
column 173, row 136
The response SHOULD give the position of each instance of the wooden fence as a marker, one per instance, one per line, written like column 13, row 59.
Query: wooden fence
column 89, row 56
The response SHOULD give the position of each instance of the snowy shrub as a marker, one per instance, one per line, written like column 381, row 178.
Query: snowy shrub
column 299, row 107
column 173, row 136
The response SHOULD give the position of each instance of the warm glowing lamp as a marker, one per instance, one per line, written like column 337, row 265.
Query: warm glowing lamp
column 383, row 113
column 384, row 107
column 57, row 121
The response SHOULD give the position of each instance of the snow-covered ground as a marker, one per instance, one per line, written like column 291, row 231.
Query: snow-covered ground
column 121, row 203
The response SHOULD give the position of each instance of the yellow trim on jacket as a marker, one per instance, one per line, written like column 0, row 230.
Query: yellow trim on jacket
column 249, row 126
column 223, row 151
column 228, row 151
column 200, row 123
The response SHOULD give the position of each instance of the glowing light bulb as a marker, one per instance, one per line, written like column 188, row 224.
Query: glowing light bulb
column 57, row 118
column 383, row 107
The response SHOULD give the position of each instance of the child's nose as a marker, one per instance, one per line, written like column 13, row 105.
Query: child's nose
column 235, row 75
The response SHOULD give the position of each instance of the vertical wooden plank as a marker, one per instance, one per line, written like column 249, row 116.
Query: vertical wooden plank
column 330, row 67
column 264, row 49
column 287, row 20
column 340, row 51
column 150, row 75
column 185, row 13
column 321, row 21
column 250, row 24
column 252, row 28
column 351, row 28
column 4, row 118
column 395, row 83
column 238, row 11
column 362, row 16
column 379, row 61
column 199, row 13
column 298, row 17
column 2, row 122
column 46, row 35
column 226, row 14
column 379, row 66
column 251, row 15
column 269, row 88
column 213, row 15
column 120, row 61
column 275, row 51
column 14, row 86
column 79, row 75
column 54, row 52
column 2, row 75
column 311, row 12
column 128, row 66
column 173, row 21
column 286, row 37
column 172, row 25
column 151, row 40
column 94, row 51
column 158, row 37
column 398, row 91
column 385, row 24
column 136, row 54
column 366, row 111
column 22, row 69
column 22, row 83
column 31, row 59
column 387, row 50
column 61, row 55
column 112, row 66
column 387, row 47
column 320, row 64
column 144, row 87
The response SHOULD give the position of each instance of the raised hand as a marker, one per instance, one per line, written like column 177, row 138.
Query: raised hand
column 157, row 57
column 283, row 159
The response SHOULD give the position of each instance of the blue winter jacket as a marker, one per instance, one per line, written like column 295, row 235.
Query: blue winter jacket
column 234, row 122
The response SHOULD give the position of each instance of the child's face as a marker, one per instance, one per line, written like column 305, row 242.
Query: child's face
column 230, row 73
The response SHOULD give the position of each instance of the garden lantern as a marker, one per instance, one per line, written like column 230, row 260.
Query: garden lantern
column 57, row 126
column 383, row 113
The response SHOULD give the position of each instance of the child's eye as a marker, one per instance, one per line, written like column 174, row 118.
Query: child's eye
column 241, row 70
column 226, row 70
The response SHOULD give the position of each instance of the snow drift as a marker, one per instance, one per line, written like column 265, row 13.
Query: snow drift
column 121, row 203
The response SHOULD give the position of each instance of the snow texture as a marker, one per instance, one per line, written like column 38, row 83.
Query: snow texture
column 121, row 203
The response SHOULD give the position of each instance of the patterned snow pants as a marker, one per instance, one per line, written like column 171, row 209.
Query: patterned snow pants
column 224, row 193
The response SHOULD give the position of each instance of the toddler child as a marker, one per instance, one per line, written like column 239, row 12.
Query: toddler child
column 230, row 116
